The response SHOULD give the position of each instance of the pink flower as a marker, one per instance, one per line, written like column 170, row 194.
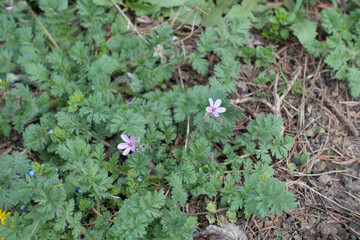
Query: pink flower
column 130, row 75
column 9, row 8
column 128, row 145
column 215, row 109
column 175, row 38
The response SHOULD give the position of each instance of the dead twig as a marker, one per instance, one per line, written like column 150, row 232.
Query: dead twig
column 299, row 174
column 253, row 99
column 330, row 200
column 336, row 214
column 279, row 99
column 341, row 116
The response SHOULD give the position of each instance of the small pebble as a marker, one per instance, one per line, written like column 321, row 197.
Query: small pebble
column 289, row 219
column 324, row 179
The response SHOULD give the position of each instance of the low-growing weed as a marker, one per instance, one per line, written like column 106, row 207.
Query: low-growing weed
column 108, row 157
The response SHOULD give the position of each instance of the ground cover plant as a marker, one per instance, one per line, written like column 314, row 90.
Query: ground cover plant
column 114, row 144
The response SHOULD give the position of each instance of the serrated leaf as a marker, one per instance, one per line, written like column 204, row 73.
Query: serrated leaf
column 79, row 52
column 200, row 64
column 74, row 149
column 35, row 137
column 354, row 81
column 128, row 122
column 178, row 192
column 304, row 29
column 37, row 72
column 102, row 67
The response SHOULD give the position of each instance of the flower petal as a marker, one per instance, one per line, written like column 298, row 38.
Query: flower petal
column 130, row 75
column 125, row 138
column 216, row 114
column 132, row 148
column 209, row 110
column 217, row 103
column 122, row 145
column 221, row 109
column 211, row 102
column 126, row 151
column 132, row 139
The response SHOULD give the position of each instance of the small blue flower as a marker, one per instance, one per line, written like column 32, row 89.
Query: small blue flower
column 23, row 208
column 56, row 115
column 80, row 191
column 31, row 172
column 51, row 131
column 131, row 208
column 140, row 179
column 57, row 169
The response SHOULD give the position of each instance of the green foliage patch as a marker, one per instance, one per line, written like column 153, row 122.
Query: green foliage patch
column 112, row 156
column 341, row 47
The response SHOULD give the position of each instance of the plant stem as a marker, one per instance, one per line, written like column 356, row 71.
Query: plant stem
column 206, row 213
column 197, row 129
column 241, row 157
column 98, row 205
column 129, row 92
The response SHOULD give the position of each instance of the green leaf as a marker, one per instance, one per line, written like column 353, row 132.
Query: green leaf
column 304, row 29
column 106, row 3
column 218, row 8
column 292, row 166
column 59, row 61
column 16, row 163
column 96, row 110
column 354, row 81
column 79, row 52
column 128, row 122
column 102, row 67
column 5, row 127
column 74, row 149
column 176, row 225
column 247, row 8
column 282, row 146
column 199, row 63
column 264, row 56
column 71, row 122
column 49, row 6
column 178, row 193
column 338, row 57
column 334, row 22
column 60, row 86
column 169, row 4
column 37, row 72
column 35, row 137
